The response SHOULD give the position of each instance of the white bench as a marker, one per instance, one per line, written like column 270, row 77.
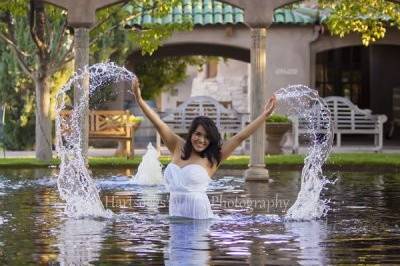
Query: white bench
column 228, row 121
column 347, row 118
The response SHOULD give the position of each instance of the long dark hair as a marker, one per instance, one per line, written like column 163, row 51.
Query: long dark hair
column 213, row 150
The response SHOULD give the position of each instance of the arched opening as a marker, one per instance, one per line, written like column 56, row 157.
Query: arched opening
column 187, row 49
column 224, row 77
column 368, row 76
column 365, row 75
column 228, row 74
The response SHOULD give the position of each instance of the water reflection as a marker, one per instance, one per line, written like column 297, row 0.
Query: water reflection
column 188, row 243
column 363, row 226
column 80, row 241
column 309, row 236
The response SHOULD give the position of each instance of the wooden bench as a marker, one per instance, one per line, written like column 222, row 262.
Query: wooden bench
column 347, row 118
column 228, row 121
column 112, row 125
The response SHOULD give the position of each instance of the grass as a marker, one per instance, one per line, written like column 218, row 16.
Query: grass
column 350, row 159
column 366, row 160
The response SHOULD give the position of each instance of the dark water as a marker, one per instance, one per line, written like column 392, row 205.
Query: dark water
column 363, row 226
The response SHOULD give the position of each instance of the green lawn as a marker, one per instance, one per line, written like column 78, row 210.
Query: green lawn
column 345, row 159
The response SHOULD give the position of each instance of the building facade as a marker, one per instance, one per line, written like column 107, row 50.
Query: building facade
column 299, row 51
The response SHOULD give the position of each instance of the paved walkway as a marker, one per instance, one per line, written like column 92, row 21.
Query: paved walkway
column 92, row 153
column 390, row 147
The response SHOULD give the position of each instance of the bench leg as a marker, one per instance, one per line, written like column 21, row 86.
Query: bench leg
column 295, row 137
column 128, row 149
column 125, row 148
column 120, row 149
column 338, row 139
column 378, row 141
column 132, row 148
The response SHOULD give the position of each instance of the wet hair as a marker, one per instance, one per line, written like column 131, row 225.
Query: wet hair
column 213, row 150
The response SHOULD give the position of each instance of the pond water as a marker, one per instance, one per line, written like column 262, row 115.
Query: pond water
column 363, row 225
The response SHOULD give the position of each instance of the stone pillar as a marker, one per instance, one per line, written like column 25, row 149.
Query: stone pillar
column 81, row 36
column 257, row 170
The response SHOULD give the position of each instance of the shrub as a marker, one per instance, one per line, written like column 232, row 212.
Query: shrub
column 135, row 119
column 278, row 119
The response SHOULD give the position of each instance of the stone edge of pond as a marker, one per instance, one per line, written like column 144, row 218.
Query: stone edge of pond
column 327, row 167
column 281, row 166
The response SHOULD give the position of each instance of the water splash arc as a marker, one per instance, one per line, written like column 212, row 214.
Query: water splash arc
column 150, row 169
column 75, row 184
column 78, row 189
column 314, row 117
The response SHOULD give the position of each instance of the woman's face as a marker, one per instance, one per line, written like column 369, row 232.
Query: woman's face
column 199, row 139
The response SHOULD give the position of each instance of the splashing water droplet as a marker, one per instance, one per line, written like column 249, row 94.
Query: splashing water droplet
column 150, row 170
column 74, row 182
column 77, row 188
column 315, row 118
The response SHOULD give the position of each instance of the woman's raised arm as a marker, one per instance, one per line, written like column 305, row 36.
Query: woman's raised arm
column 229, row 146
column 170, row 139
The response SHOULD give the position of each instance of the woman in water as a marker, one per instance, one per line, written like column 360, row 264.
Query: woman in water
column 196, row 159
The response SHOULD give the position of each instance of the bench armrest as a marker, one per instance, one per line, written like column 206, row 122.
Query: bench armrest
column 382, row 118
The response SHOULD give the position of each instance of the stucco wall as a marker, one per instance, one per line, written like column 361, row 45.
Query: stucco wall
column 181, row 92
column 328, row 42
column 230, row 84
column 288, row 53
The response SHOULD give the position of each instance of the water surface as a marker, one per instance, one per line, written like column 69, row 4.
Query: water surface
column 363, row 225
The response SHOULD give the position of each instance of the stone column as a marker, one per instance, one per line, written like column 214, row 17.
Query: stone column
column 257, row 170
column 81, row 36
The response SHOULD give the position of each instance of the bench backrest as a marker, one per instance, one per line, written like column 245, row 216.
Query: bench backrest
column 226, row 104
column 347, row 116
column 106, row 123
column 109, row 123
column 226, row 120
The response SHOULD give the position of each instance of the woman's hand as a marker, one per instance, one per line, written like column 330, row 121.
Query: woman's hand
column 270, row 106
column 231, row 144
column 136, row 89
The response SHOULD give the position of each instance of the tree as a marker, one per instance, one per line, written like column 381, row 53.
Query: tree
column 161, row 74
column 17, row 96
column 370, row 18
column 50, row 46
column 46, row 51
column 116, row 35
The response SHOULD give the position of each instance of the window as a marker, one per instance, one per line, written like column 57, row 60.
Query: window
column 212, row 68
column 344, row 72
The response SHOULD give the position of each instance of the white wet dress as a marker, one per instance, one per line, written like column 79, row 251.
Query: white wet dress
column 187, row 187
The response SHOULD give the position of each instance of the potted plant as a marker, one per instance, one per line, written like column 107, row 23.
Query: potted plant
column 275, row 128
column 134, row 121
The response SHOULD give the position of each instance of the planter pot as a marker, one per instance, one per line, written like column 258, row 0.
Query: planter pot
column 274, row 134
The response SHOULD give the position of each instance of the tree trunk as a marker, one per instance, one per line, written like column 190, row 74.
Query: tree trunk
column 37, row 17
column 43, row 128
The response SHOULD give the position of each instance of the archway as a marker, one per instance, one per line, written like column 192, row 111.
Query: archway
column 230, row 89
column 195, row 48
column 258, row 16
column 365, row 75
